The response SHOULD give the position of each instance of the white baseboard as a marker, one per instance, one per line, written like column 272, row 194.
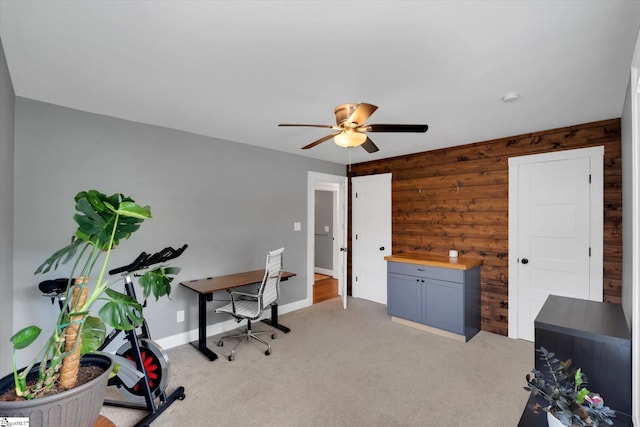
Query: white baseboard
column 222, row 327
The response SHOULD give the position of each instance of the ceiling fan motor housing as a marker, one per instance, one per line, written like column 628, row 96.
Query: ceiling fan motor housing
column 343, row 112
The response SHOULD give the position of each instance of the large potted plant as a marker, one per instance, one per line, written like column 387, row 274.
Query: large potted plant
column 103, row 221
column 565, row 396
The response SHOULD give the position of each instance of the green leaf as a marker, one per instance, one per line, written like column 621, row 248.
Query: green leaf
column 98, row 214
column 157, row 281
column 60, row 256
column 121, row 311
column 582, row 394
column 24, row 337
column 95, row 198
column 93, row 334
column 172, row 270
column 130, row 209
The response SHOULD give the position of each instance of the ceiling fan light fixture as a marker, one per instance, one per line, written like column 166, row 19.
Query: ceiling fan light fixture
column 350, row 138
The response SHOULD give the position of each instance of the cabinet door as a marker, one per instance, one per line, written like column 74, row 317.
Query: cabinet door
column 404, row 297
column 443, row 305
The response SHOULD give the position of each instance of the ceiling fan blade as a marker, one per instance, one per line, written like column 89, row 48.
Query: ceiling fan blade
column 396, row 128
column 313, row 126
column 321, row 140
column 362, row 113
column 369, row 146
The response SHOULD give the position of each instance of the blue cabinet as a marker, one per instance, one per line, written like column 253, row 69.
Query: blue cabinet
column 443, row 306
column 406, row 299
column 436, row 296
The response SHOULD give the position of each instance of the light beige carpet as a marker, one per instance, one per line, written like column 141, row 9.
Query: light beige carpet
column 349, row 368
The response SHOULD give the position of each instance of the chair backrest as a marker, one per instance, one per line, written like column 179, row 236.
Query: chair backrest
column 270, row 286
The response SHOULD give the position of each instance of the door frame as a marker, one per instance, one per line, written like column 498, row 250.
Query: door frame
column 596, row 204
column 634, row 257
column 338, row 186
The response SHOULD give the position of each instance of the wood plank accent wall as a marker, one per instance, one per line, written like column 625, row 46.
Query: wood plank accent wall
column 457, row 198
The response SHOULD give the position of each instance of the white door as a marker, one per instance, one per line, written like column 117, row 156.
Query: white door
column 371, row 236
column 553, row 230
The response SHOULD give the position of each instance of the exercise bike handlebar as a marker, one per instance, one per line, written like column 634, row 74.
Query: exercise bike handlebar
column 145, row 260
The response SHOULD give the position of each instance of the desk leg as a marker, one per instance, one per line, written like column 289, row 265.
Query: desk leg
column 202, row 329
column 274, row 320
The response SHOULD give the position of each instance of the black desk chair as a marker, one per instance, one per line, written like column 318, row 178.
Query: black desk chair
column 249, row 306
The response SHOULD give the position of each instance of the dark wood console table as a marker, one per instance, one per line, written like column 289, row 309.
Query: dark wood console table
column 595, row 336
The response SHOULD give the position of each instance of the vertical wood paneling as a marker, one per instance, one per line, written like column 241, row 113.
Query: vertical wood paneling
column 457, row 198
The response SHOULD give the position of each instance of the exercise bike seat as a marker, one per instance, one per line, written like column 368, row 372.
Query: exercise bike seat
column 54, row 286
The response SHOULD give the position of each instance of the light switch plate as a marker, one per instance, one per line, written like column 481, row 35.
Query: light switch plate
column 297, row 226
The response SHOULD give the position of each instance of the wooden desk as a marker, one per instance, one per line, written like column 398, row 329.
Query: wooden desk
column 205, row 289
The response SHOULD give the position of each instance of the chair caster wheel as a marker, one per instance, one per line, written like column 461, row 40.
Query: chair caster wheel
column 220, row 343
column 232, row 357
column 274, row 336
column 268, row 352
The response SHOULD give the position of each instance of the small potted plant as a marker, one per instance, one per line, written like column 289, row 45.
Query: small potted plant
column 102, row 222
column 566, row 398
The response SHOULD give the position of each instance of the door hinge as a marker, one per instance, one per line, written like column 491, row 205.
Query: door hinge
column 356, row 278
column 589, row 251
column 589, row 178
column 356, row 195
column 356, row 237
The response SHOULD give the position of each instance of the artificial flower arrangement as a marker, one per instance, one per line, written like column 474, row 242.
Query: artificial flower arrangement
column 565, row 394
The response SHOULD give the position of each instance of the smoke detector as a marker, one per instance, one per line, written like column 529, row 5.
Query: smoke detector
column 510, row 97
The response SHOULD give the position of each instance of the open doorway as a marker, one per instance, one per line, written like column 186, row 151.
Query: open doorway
column 326, row 272
column 326, row 236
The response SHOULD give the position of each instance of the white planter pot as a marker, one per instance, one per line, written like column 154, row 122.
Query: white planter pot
column 553, row 421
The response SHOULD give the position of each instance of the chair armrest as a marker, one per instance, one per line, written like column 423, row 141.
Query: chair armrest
column 244, row 294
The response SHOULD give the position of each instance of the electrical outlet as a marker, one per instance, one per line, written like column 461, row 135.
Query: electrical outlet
column 180, row 316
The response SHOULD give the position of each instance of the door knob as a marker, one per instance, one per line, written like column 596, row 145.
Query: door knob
column 382, row 248
column 525, row 261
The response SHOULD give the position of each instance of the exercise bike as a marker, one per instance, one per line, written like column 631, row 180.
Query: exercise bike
column 143, row 373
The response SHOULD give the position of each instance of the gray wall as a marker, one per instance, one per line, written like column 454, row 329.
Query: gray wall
column 323, row 239
column 7, row 114
column 230, row 202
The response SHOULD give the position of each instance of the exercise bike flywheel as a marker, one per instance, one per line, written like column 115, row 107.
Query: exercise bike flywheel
column 156, row 365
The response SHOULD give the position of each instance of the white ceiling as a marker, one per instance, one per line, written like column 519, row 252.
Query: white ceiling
column 235, row 69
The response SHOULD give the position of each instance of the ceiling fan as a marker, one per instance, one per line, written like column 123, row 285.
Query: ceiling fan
column 351, row 127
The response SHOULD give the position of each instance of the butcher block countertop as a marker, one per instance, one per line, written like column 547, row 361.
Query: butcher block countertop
column 460, row 263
